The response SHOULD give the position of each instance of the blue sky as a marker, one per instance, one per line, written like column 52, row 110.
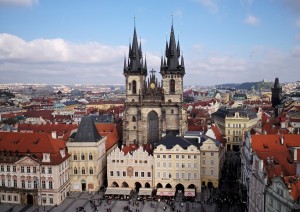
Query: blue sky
column 84, row 42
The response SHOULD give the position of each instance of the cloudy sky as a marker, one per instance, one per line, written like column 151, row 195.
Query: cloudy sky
column 84, row 42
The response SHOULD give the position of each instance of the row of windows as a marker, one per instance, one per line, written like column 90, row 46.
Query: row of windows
column 124, row 174
column 236, row 125
column 235, row 132
column 136, row 161
column 82, row 157
column 234, row 139
column 203, row 171
column 30, row 184
column 177, row 156
column 183, row 175
column 178, row 165
column 91, row 171
column 14, row 198
column 28, row 169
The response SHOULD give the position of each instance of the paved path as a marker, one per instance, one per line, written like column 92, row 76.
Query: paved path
column 82, row 199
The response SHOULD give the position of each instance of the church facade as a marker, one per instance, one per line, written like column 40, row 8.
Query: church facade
column 153, row 108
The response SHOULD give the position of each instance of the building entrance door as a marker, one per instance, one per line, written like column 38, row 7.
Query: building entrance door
column 29, row 199
column 83, row 185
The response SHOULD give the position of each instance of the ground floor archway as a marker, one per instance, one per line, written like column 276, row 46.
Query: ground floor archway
column 168, row 185
column 29, row 198
column 210, row 185
column 137, row 186
column 147, row 185
column 179, row 188
column 159, row 185
column 114, row 184
column 191, row 186
column 124, row 184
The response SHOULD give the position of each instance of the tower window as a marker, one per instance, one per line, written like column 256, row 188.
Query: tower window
column 134, row 87
column 129, row 86
column 172, row 86
column 133, row 119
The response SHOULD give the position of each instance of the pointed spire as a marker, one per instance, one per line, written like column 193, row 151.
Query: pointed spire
column 145, row 66
column 124, row 61
column 178, row 48
column 135, row 58
column 182, row 61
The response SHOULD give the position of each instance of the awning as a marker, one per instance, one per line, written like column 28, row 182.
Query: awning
column 118, row 191
column 166, row 192
column 189, row 192
column 145, row 191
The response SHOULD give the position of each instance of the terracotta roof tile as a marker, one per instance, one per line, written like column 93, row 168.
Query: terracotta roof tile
column 35, row 143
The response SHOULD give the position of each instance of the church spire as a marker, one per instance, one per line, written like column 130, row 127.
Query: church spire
column 172, row 54
column 135, row 64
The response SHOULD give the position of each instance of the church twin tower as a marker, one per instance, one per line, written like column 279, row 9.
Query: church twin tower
column 153, row 109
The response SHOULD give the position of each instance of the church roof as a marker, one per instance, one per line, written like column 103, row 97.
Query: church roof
column 87, row 131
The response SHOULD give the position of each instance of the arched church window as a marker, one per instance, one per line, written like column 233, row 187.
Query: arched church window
column 133, row 119
column 91, row 171
column 134, row 87
column 75, row 157
column 83, row 171
column 172, row 111
column 75, row 171
column 82, row 156
column 90, row 156
column 172, row 86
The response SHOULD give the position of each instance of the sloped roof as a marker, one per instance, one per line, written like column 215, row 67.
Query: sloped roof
column 293, row 183
column 110, row 131
column 276, row 156
column 87, row 131
column 34, row 143
column 60, row 129
column 170, row 140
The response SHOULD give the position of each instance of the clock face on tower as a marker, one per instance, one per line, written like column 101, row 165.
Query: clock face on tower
column 152, row 85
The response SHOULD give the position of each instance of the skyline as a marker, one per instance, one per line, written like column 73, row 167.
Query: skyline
column 55, row 42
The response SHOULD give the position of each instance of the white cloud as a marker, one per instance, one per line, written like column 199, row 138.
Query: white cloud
column 204, row 68
column 251, row 20
column 211, row 5
column 18, row 2
column 59, row 61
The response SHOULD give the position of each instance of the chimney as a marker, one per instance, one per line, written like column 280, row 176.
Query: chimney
column 282, row 123
column 281, row 140
column 53, row 134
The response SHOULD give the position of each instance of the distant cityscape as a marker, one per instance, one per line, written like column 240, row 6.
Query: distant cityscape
column 150, row 143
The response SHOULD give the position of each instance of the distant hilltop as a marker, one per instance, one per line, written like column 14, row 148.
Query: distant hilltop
column 261, row 85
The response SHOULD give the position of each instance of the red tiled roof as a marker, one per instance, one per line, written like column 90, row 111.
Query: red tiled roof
column 45, row 114
column 35, row 143
column 218, row 134
column 276, row 156
column 110, row 131
column 60, row 129
column 129, row 148
column 293, row 183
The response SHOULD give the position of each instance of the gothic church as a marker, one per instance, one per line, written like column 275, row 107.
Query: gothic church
column 152, row 108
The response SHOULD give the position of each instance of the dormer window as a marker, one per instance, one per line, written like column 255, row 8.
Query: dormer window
column 46, row 157
column 62, row 153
